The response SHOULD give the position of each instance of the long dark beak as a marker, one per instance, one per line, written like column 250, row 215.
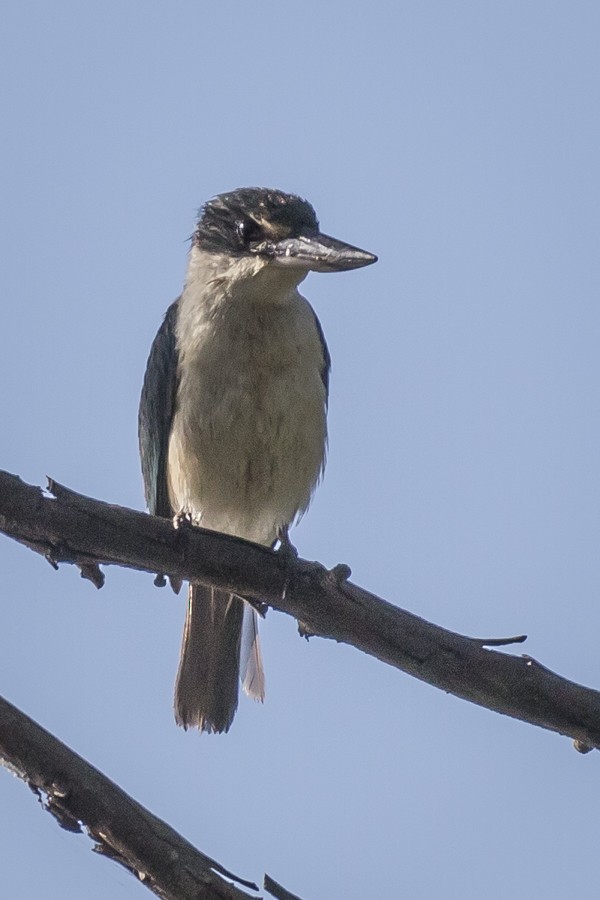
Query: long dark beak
column 320, row 253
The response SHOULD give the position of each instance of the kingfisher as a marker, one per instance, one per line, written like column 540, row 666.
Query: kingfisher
column 232, row 417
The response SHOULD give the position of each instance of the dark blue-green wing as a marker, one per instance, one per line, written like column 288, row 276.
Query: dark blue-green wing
column 157, row 405
column 326, row 366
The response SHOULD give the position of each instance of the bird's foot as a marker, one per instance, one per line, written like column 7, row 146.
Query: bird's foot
column 286, row 548
column 182, row 520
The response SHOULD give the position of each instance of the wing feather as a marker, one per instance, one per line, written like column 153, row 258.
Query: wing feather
column 157, row 406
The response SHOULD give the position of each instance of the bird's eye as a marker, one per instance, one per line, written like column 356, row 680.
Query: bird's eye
column 248, row 231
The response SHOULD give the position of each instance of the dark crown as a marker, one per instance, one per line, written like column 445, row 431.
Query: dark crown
column 232, row 222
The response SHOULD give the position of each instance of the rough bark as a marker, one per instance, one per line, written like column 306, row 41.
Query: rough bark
column 82, row 798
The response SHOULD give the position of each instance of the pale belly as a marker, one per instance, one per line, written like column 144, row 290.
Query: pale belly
column 248, row 440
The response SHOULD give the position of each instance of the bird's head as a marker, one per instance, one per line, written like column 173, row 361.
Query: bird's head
column 275, row 230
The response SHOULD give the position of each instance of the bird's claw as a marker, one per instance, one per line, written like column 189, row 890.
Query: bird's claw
column 286, row 548
column 182, row 520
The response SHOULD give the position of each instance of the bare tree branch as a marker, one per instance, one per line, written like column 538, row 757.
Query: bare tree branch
column 79, row 796
column 76, row 529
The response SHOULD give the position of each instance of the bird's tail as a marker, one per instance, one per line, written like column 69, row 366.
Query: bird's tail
column 206, row 690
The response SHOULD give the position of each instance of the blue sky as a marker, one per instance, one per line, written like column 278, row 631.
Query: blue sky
column 459, row 142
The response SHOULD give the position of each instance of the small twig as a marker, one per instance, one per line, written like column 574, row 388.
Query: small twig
column 277, row 890
column 91, row 572
column 499, row 642
column 261, row 608
column 339, row 573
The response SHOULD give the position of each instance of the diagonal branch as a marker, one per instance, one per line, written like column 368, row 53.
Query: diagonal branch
column 76, row 529
column 79, row 796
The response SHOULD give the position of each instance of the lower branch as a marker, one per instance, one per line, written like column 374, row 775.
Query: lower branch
column 79, row 796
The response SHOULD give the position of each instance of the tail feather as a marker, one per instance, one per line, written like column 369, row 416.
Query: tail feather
column 206, row 690
column 253, row 673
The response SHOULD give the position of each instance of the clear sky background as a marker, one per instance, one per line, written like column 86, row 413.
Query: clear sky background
column 460, row 142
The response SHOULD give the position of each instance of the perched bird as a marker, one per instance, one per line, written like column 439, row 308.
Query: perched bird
column 232, row 419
